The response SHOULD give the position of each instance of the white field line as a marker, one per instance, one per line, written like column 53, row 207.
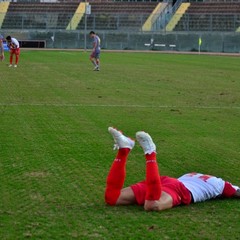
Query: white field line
column 115, row 105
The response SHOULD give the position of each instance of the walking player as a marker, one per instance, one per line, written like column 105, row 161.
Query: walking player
column 95, row 55
column 157, row 192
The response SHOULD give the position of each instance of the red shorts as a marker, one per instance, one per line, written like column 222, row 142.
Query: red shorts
column 172, row 186
column 228, row 190
column 15, row 51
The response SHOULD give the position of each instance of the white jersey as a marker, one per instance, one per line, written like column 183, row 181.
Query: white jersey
column 203, row 187
column 15, row 42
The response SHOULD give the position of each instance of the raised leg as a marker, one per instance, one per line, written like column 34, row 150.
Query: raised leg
column 114, row 194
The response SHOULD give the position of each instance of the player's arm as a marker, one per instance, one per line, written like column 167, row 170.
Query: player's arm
column 9, row 45
column 12, row 45
column 94, row 46
column 165, row 202
column 237, row 193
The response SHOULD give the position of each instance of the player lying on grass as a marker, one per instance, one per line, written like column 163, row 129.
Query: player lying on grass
column 157, row 192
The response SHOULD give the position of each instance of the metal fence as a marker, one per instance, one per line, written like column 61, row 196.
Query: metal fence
column 174, row 41
column 209, row 22
column 103, row 21
column 121, row 22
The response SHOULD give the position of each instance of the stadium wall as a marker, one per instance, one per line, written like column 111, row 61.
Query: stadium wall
column 176, row 41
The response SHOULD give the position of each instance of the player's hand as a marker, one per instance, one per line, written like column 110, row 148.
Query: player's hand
column 11, row 46
column 2, row 58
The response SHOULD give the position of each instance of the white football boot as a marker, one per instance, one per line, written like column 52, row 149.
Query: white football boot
column 146, row 142
column 120, row 140
column 96, row 68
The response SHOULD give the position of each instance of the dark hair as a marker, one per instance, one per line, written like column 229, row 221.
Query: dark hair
column 92, row 32
column 8, row 38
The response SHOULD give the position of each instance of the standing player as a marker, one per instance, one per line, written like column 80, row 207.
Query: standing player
column 94, row 57
column 1, row 48
column 13, row 45
column 157, row 193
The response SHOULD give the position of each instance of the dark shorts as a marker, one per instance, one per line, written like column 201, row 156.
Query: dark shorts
column 95, row 55
column 172, row 186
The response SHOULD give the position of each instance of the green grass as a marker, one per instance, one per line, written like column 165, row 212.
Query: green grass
column 55, row 151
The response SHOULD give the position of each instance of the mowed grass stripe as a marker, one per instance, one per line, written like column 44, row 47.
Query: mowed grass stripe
column 117, row 106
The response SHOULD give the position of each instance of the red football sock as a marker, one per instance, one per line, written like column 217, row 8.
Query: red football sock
column 11, row 58
column 17, row 58
column 116, row 176
column 153, row 181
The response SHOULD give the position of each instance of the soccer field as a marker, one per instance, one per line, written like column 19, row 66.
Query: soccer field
column 55, row 150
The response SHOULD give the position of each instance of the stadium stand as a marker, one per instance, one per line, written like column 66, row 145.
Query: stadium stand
column 108, row 15
column 3, row 10
column 78, row 16
column 177, row 16
column 153, row 17
column 105, row 15
column 42, row 15
column 210, row 16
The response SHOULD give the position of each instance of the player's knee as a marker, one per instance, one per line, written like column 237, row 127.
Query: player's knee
column 111, row 198
column 110, row 201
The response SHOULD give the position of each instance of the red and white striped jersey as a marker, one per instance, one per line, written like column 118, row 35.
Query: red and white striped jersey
column 203, row 187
